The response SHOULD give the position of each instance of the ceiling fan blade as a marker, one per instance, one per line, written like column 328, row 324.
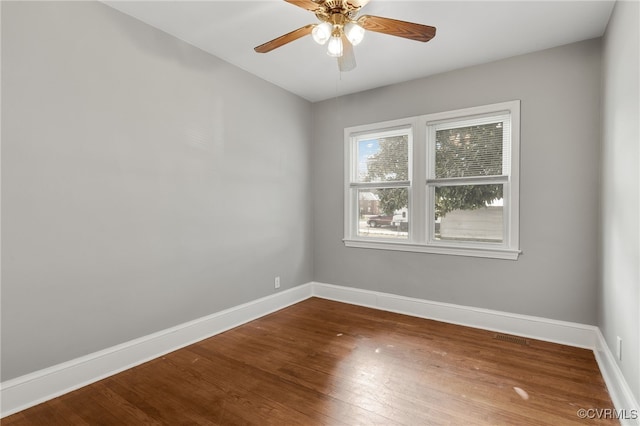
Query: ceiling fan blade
column 306, row 4
column 397, row 28
column 284, row 39
column 347, row 61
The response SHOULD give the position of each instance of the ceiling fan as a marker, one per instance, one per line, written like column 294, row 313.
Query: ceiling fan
column 340, row 30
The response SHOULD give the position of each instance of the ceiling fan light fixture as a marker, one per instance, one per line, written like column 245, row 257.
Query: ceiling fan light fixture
column 354, row 33
column 322, row 32
column 340, row 28
column 334, row 48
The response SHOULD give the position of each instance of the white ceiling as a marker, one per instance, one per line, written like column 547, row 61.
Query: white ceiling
column 468, row 33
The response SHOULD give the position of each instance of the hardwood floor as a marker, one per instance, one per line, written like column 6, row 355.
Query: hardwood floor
column 324, row 362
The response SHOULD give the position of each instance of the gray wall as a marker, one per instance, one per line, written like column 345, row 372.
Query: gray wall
column 619, row 301
column 145, row 183
column 557, row 274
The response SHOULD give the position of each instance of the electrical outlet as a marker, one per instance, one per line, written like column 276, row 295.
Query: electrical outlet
column 619, row 348
column 276, row 282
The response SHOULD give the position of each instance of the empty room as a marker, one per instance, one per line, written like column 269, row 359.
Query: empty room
column 320, row 212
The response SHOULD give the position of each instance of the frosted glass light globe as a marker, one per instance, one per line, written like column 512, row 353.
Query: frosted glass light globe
column 354, row 33
column 334, row 48
column 322, row 32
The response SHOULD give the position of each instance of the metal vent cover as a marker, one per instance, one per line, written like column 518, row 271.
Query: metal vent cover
column 512, row 339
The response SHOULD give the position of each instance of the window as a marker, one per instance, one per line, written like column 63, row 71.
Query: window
column 443, row 183
column 381, row 182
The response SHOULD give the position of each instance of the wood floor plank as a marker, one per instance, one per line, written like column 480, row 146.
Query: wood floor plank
column 321, row 362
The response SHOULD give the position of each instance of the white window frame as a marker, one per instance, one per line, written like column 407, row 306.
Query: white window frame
column 422, row 182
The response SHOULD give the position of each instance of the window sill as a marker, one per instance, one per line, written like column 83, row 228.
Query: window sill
column 491, row 253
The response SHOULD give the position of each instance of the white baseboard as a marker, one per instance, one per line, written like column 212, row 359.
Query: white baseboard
column 31, row 389
column 566, row 333
column 618, row 387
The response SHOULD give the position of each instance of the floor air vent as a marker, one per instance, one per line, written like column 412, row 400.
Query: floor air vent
column 512, row 339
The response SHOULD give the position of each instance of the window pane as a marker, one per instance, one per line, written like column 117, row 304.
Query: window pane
column 469, row 213
column 383, row 213
column 383, row 159
column 469, row 151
